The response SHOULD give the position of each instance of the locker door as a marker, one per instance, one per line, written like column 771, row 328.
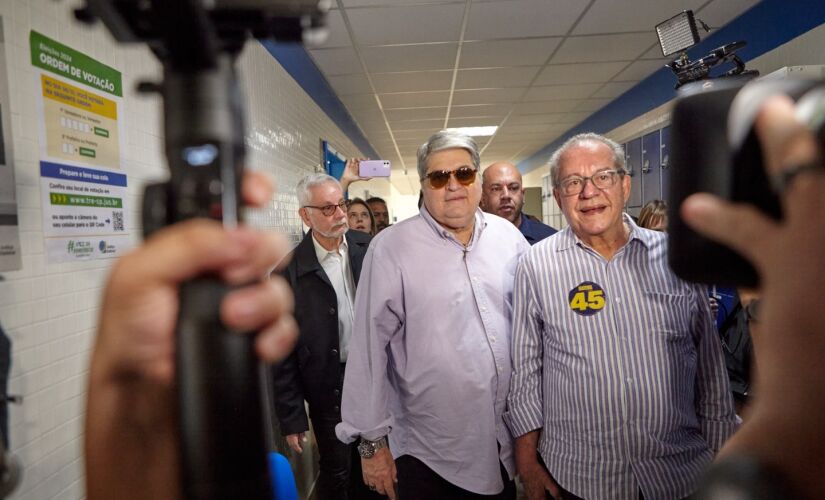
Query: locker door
column 651, row 168
column 665, row 163
column 634, row 164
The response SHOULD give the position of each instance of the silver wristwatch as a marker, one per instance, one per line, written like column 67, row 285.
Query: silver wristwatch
column 367, row 448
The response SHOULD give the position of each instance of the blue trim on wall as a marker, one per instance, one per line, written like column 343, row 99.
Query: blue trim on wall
column 296, row 61
column 765, row 26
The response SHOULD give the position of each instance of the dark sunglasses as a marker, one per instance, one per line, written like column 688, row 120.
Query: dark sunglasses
column 439, row 178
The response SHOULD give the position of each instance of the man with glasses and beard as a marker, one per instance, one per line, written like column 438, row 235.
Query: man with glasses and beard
column 619, row 385
column 503, row 195
column 429, row 364
column 323, row 275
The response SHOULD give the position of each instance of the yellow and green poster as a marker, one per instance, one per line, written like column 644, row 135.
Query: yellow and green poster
column 83, row 189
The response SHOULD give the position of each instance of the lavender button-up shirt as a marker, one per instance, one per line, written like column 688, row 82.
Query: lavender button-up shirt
column 429, row 360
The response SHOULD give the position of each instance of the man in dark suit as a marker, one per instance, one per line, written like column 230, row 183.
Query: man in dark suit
column 323, row 273
column 503, row 195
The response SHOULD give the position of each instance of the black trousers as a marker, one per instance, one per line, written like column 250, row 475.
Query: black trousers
column 339, row 476
column 416, row 481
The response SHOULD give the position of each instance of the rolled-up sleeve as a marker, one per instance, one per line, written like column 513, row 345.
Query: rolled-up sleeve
column 379, row 315
column 714, row 401
column 525, row 402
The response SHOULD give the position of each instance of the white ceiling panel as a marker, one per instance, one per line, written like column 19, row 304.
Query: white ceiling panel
column 333, row 62
column 407, row 24
column 486, row 54
column 639, row 70
column 604, row 48
column 555, row 92
column 365, row 102
column 546, row 119
column 606, row 16
column 337, row 31
column 495, row 77
column 350, row 84
column 418, row 125
column 522, row 18
column 486, row 96
column 614, row 89
column 534, row 67
column 557, row 106
column 561, row 74
column 376, row 3
column 419, row 81
column 477, row 121
column 480, row 110
column 420, row 135
column 720, row 12
column 414, row 99
column 655, row 52
column 410, row 57
column 416, row 113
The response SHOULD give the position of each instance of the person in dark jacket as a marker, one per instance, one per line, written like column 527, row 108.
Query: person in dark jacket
column 323, row 274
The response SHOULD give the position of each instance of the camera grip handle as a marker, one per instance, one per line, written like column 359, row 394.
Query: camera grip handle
column 223, row 446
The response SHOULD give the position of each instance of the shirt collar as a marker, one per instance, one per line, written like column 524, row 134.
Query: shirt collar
column 569, row 238
column 444, row 233
column 322, row 252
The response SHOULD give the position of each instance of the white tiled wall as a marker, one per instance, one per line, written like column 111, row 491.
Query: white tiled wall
column 49, row 310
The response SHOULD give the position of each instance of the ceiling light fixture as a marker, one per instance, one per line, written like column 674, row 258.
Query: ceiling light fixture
column 476, row 131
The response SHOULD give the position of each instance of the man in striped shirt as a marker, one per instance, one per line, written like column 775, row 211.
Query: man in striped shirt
column 618, row 381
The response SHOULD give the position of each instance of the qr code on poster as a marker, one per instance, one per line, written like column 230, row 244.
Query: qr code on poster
column 117, row 221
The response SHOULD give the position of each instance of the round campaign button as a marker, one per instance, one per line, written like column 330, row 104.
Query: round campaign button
column 587, row 299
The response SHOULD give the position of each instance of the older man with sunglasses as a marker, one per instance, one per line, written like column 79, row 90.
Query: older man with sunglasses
column 429, row 368
column 619, row 385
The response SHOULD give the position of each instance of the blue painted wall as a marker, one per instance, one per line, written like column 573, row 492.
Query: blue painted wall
column 766, row 26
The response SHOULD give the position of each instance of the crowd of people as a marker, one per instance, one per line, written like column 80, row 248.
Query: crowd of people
column 446, row 354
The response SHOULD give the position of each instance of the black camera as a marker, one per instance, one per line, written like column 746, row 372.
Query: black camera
column 714, row 149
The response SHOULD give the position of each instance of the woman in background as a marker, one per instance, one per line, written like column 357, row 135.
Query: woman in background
column 654, row 215
column 360, row 216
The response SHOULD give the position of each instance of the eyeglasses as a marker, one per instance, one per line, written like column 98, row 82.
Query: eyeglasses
column 439, row 178
column 602, row 180
column 330, row 209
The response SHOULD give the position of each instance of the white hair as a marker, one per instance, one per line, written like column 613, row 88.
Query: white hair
column 446, row 139
column 302, row 189
column 579, row 139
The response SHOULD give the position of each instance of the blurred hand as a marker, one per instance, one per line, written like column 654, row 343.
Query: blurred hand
column 350, row 174
column 294, row 441
column 783, row 428
column 131, row 431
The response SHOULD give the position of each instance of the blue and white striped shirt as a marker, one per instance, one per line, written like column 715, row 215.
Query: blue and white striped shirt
column 619, row 363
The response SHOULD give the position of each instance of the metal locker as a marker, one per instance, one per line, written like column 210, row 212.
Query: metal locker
column 665, row 163
column 633, row 150
column 651, row 168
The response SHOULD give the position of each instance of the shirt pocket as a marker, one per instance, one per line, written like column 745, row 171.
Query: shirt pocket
column 669, row 313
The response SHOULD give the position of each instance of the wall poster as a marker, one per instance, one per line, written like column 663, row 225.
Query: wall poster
column 83, row 189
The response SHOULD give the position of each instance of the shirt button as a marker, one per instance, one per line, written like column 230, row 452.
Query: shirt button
column 484, row 309
column 337, row 392
column 493, row 339
column 331, row 311
column 335, row 352
column 618, row 300
column 336, row 408
column 628, row 380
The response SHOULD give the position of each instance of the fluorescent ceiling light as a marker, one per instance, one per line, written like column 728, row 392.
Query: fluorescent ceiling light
column 476, row 131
